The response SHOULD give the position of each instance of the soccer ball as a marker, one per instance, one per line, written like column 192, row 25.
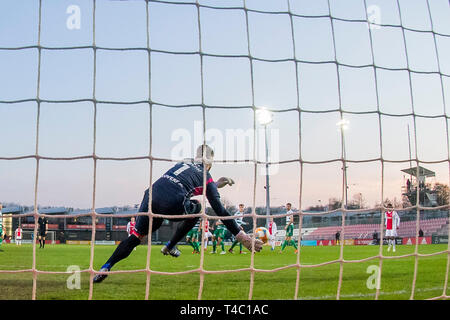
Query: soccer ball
column 262, row 234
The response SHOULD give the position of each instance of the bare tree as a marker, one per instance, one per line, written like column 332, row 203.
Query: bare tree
column 334, row 203
column 358, row 201
column 442, row 193
column 395, row 203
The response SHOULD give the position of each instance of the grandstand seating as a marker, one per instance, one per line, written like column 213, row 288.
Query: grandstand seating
column 365, row 231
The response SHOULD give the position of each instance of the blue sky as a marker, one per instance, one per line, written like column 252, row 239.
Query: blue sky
column 272, row 79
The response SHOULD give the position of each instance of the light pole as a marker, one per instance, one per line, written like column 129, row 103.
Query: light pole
column 360, row 200
column 343, row 125
column 265, row 118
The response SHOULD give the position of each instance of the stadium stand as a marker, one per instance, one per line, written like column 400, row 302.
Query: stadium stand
column 365, row 231
column 110, row 228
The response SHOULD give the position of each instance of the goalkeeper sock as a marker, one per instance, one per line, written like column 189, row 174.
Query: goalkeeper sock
column 40, row 243
column 123, row 250
column 43, row 244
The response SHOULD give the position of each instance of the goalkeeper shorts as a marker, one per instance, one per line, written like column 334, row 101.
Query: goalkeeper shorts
column 167, row 198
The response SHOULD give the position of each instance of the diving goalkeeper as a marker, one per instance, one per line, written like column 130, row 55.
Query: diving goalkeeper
column 171, row 195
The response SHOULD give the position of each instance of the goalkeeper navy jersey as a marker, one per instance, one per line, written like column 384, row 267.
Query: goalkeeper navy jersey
column 189, row 177
column 178, row 184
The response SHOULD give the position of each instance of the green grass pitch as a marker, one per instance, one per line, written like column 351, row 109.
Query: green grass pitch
column 315, row 283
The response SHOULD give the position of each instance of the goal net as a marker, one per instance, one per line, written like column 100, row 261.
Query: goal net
column 375, row 66
column 28, row 236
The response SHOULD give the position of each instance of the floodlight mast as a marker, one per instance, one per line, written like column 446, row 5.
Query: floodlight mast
column 265, row 117
column 343, row 125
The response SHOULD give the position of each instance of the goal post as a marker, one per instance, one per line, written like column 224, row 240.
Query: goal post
column 27, row 237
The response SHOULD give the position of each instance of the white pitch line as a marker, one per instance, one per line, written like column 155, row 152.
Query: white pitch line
column 358, row 295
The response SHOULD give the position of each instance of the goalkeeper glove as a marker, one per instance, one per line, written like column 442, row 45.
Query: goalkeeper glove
column 222, row 182
column 246, row 240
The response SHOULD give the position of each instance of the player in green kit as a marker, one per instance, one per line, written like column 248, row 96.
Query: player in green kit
column 289, row 230
column 192, row 237
column 219, row 236
column 240, row 222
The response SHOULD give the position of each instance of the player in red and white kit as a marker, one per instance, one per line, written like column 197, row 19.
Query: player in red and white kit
column 18, row 236
column 130, row 227
column 207, row 233
column 392, row 223
column 272, row 233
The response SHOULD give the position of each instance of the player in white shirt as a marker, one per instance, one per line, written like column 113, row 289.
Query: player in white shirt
column 207, row 233
column 289, row 229
column 392, row 223
column 240, row 222
column 18, row 236
column 272, row 233
column 130, row 227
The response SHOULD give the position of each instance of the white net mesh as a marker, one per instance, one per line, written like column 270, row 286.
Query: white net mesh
column 200, row 7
